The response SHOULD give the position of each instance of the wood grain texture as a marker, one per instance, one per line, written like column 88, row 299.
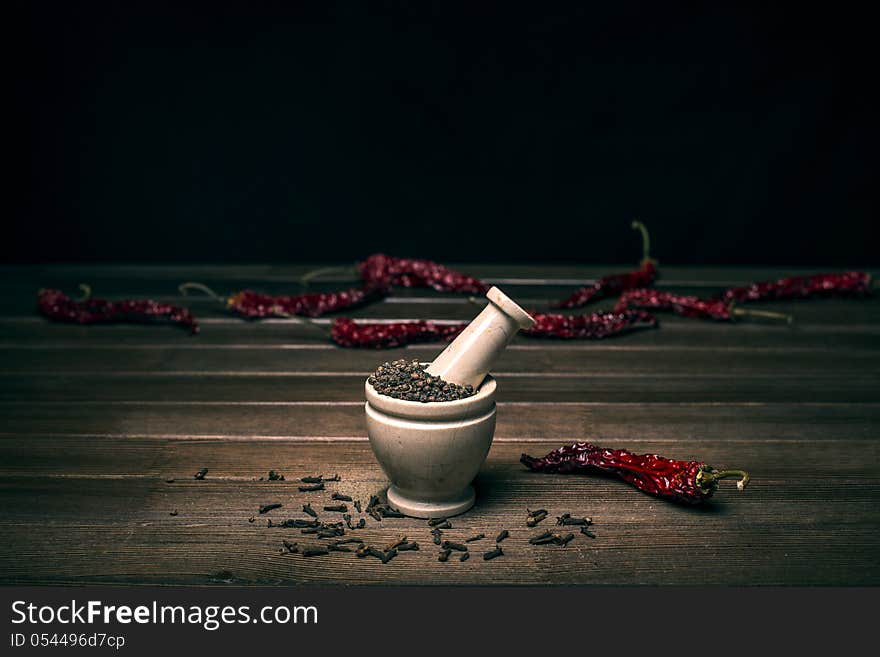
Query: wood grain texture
column 94, row 420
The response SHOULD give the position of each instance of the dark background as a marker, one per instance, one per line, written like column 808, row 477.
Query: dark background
column 494, row 131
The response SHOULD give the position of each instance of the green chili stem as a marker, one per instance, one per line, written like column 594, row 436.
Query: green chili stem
column 308, row 277
column 646, row 240
column 87, row 293
column 201, row 287
column 741, row 312
column 710, row 477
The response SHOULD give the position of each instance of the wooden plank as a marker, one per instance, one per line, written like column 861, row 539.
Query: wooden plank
column 36, row 333
column 622, row 423
column 560, row 360
column 230, row 386
column 285, row 273
column 814, row 312
column 811, row 530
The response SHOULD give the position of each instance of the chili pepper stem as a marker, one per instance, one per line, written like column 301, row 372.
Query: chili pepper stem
column 708, row 478
column 742, row 312
column 308, row 277
column 201, row 287
column 646, row 241
column 87, row 293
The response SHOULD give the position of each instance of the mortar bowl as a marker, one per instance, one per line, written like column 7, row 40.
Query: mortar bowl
column 431, row 452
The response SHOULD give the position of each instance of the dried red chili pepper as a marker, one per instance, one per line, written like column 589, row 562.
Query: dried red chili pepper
column 691, row 482
column 383, row 271
column 851, row 283
column 347, row 333
column 609, row 286
column 689, row 306
column 254, row 305
column 593, row 327
column 56, row 305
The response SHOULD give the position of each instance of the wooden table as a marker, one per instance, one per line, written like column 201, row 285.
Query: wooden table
column 96, row 420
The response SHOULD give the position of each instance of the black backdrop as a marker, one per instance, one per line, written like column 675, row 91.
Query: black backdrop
column 292, row 131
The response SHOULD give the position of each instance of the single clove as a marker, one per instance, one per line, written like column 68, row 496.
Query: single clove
column 307, row 508
column 535, row 517
column 566, row 519
column 474, row 539
column 201, row 474
column 338, row 508
column 540, row 537
column 491, row 554
column 504, row 534
column 452, row 545
column 444, row 555
column 464, row 556
column 399, row 541
column 315, row 551
column 340, row 497
column 268, row 507
column 312, row 488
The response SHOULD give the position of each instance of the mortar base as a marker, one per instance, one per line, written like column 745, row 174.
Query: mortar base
column 421, row 509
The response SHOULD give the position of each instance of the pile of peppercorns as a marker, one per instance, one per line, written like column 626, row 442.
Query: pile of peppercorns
column 409, row 381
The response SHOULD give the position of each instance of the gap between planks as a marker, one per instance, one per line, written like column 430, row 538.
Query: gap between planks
column 294, row 440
